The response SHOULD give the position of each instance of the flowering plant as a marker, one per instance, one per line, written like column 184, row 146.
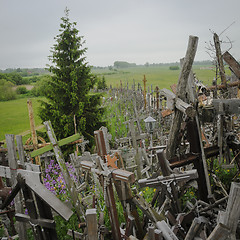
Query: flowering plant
column 54, row 181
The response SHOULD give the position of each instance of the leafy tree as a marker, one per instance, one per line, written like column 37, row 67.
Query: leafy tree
column 6, row 90
column 21, row 90
column 16, row 78
column 68, row 92
column 41, row 86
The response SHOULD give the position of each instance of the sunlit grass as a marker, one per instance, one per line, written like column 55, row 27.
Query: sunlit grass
column 162, row 76
column 14, row 116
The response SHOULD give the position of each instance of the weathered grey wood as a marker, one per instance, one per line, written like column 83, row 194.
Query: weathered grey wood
column 12, row 162
column 20, row 150
column 155, row 182
column 219, row 59
column 208, row 207
column 69, row 182
column 185, row 108
column 220, row 232
column 232, row 214
column 135, row 146
column 5, row 172
column 167, row 233
column 196, row 228
column 232, row 62
column 166, row 171
column 173, row 101
column 32, row 179
column 39, row 221
column 181, row 90
column 163, row 162
column 227, row 106
column 92, row 224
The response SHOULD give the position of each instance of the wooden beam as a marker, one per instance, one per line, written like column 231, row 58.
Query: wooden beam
column 219, row 59
column 60, row 159
column 92, row 224
column 173, row 141
column 59, row 143
column 220, row 232
column 232, row 62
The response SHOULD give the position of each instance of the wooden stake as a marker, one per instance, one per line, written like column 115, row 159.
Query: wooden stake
column 33, row 129
column 181, row 91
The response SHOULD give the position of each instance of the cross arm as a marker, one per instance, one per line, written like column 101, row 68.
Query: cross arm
column 47, row 223
column 60, row 143
column 117, row 174
column 156, row 182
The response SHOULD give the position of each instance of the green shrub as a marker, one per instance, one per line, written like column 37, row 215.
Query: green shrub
column 41, row 86
column 174, row 67
column 21, row 90
column 6, row 91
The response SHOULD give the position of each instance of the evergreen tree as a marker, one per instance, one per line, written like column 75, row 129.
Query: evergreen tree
column 68, row 94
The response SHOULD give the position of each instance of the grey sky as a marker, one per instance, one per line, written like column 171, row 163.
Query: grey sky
column 137, row 31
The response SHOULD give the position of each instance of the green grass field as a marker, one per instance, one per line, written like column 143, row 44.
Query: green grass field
column 14, row 116
column 162, row 76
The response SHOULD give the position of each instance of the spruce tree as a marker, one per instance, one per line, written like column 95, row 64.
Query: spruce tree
column 68, row 94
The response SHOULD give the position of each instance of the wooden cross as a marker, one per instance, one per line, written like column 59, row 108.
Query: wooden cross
column 107, row 175
column 55, row 145
column 115, row 174
column 30, row 183
column 43, row 224
column 144, row 91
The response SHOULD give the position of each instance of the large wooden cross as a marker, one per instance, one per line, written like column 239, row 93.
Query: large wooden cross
column 107, row 175
column 30, row 183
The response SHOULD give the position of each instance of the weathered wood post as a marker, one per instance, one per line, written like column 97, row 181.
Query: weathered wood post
column 232, row 62
column 60, row 159
column 231, row 216
column 196, row 228
column 167, row 233
column 92, row 225
column 157, row 97
column 219, row 59
column 108, row 188
column 12, row 161
column 20, row 150
column 144, row 91
column 135, row 146
column 33, row 129
column 204, row 188
column 220, row 232
column 173, row 141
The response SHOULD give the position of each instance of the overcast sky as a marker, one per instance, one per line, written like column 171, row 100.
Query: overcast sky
column 136, row 31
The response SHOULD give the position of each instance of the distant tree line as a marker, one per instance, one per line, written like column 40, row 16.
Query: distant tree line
column 26, row 72
column 123, row 64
